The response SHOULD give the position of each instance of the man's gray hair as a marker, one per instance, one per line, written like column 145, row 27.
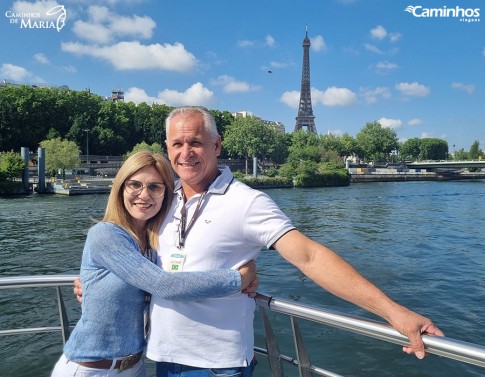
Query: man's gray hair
column 209, row 122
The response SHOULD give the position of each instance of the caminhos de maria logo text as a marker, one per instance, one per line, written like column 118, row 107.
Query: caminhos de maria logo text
column 54, row 18
column 459, row 13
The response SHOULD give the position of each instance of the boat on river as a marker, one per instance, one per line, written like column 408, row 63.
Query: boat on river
column 299, row 362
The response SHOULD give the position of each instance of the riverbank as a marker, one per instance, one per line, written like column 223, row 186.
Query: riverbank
column 403, row 177
column 403, row 174
column 86, row 186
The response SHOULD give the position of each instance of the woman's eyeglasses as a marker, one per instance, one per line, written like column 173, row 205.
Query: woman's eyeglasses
column 135, row 188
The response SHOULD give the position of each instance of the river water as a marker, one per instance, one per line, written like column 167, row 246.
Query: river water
column 421, row 242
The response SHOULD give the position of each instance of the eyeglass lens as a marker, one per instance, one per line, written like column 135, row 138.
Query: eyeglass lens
column 136, row 187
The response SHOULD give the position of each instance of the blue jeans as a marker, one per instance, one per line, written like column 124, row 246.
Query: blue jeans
column 179, row 370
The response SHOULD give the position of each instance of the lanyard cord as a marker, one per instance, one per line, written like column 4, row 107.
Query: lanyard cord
column 184, row 228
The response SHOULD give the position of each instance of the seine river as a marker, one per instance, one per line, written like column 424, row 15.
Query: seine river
column 421, row 242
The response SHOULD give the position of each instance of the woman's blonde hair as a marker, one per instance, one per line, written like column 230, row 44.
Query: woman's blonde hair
column 116, row 212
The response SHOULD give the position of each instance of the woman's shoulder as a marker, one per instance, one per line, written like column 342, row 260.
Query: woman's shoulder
column 104, row 227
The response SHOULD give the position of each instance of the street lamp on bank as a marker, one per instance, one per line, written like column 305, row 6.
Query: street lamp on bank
column 87, row 148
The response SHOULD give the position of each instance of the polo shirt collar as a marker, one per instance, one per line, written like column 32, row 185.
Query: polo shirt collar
column 219, row 186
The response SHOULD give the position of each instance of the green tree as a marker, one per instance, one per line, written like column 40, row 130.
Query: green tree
column 377, row 142
column 475, row 152
column 433, row 149
column 143, row 146
column 278, row 148
column 349, row 146
column 223, row 119
column 60, row 155
column 410, row 149
column 461, row 155
column 304, row 146
column 53, row 133
column 157, row 123
column 11, row 165
column 113, row 134
column 248, row 137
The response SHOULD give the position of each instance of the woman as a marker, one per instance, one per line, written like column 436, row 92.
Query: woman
column 118, row 268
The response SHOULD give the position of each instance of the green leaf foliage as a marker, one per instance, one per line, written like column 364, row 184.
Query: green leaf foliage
column 11, row 165
column 143, row 146
column 377, row 142
column 60, row 154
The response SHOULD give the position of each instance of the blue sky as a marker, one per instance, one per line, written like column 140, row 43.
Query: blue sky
column 420, row 74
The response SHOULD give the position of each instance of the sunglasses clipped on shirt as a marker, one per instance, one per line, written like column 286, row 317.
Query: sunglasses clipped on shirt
column 135, row 188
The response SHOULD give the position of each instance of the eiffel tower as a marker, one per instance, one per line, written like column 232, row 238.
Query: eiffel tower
column 305, row 116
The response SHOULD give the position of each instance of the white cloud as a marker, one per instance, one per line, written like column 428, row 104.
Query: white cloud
column 373, row 95
column 415, row 122
column 385, row 67
column 245, row 43
column 104, row 26
column 334, row 96
column 41, row 7
column 231, row 85
column 270, row 41
column 318, row 43
column 137, row 95
column 372, row 48
column 291, row 99
column 197, row 94
column 274, row 64
column 14, row 72
column 330, row 97
column 96, row 33
column 135, row 56
column 412, row 89
column 394, row 37
column 41, row 58
column 426, row 135
column 19, row 74
column 379, row 32
column 464, row 87
column 390, row 123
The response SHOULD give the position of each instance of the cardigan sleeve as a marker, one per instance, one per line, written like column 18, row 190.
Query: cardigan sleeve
column 112, row 248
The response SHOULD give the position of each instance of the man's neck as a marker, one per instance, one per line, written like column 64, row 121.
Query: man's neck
column 191, row 190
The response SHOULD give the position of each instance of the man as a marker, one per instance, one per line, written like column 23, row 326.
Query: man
column 217, row 222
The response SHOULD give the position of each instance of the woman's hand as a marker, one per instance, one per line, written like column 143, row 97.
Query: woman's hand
column 78, row 290
column 249, row 278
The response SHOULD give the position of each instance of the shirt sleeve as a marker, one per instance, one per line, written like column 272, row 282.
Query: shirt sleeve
column 264, row 222
column 112, row 248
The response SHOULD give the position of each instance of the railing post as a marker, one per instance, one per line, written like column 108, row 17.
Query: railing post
column 304, row 364
column 275, row 364
column 63, row 316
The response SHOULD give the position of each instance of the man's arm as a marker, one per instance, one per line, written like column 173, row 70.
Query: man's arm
column 334, row 274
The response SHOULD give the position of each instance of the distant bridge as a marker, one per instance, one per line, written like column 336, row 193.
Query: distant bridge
column 447, row 164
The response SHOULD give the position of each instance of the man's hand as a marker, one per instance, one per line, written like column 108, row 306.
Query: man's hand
column 78, row 290
column 249, row 278
column 413, row 325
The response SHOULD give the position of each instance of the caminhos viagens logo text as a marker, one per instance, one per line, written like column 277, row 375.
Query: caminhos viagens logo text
column 54, row 18
column 462, row 14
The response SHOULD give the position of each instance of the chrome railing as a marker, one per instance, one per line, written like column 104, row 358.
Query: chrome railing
column 447, row 347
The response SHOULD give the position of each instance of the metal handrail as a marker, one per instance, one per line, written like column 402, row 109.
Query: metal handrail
column 447, row 347
column 36, row 281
